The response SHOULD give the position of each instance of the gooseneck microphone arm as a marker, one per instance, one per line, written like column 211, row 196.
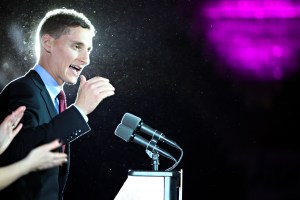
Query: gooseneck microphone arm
column 151, row 147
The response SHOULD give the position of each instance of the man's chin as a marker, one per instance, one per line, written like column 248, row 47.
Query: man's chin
column 72, row 82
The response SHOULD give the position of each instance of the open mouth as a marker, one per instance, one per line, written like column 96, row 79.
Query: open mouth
column 76, row 69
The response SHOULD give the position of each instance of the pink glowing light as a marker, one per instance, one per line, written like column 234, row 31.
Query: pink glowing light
column 256, row 39
column 259, row 9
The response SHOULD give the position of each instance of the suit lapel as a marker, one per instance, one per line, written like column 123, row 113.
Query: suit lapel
column 44, row 93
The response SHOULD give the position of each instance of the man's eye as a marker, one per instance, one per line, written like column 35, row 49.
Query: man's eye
column 77, row 47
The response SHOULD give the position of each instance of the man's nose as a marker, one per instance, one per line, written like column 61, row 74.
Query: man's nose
column 84, row 57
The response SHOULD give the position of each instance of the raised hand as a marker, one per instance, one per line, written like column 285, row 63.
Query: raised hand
column 91, row 92
column 42, row 157
column 10, row 127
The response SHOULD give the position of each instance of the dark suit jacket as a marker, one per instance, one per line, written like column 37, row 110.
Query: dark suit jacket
column 41, row 124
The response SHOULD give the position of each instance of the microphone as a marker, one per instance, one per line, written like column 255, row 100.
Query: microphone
column 137, row 124
column 128, row 134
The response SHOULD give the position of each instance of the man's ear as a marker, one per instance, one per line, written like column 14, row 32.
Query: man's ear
column 46, row 42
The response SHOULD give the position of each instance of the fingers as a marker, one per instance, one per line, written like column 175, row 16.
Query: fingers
column 56, row 159
column 101, row 85
column 92, row 92
column 10, row 127
column 16, row 117
column 17, row 129
column 18, row 113
column 106, row 92
column 82, row 81
column 104, row 87
column 97, row 79
column 52, row 145
column 98, row 84
column 61, row 157
column 44, row 158
column 20, row 109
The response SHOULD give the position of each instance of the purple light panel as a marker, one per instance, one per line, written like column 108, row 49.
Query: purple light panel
column 256, row 39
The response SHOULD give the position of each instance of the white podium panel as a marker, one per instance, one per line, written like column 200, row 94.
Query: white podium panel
column 151, row 185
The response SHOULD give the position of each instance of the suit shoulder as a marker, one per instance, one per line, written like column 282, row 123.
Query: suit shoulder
column 30, row 77
column 24, row 84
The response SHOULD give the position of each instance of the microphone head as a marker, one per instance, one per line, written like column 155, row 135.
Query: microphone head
column 131, row 120
column 124, row 132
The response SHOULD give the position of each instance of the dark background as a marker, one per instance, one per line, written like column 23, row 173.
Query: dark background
column 240, row 137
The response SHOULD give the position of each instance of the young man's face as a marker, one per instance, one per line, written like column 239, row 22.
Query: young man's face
column 70, row 54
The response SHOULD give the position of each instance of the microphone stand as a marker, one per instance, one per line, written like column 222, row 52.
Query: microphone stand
column 154, row 159
column 153, row 155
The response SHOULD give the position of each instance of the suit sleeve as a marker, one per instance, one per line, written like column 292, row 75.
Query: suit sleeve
column 40, row 125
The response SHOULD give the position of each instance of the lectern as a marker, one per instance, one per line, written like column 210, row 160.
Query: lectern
column 151, row 185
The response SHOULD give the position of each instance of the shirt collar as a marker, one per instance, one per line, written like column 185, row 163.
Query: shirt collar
column 51, row 85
